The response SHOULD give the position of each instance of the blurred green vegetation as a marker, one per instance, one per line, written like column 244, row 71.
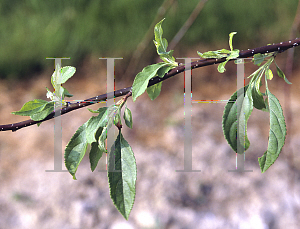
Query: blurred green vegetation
column 32, row 30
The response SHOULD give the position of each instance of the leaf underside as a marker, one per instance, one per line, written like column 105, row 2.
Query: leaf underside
column 277, row 133
column 236, row 114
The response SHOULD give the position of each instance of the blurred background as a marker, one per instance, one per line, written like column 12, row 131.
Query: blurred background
column 33, row 30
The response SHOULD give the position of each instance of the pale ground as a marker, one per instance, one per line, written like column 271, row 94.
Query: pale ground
column 213, row 198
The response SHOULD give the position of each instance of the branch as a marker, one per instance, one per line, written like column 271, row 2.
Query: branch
column 280, row 47
column 187, row 24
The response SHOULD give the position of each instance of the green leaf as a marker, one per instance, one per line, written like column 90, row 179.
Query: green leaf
column 236, row 114
column 42, row 114
column 60, row 76
column 65, row 93
column 142, row 79
column 100, row 110
column 223, row 51
column 93, row 132
column 269, row 74
column 214, row 54
column 93, row 111
column 163, row 70
column 95, row 155
column 49, row 94
column 277, row 133
column 54, row 78
column 107, row 118
column 162, row 45
column 31, row 107
column 258, row 58
column 258, row 99
column 122, row 176
column 154, row 90
column 102, row 138
column 128, row 117
column 230, row 39
column 66, row 73
column 221, row 67
column 95, row 152
column 94, row 124
column 117, row 118
column 281, row 74
column 234, row 54
column 75, row 150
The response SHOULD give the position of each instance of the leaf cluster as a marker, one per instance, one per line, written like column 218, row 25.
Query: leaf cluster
column 39, row 109
column 121, row 162
column 223, row 53
column 140, row 84
column 239, row 108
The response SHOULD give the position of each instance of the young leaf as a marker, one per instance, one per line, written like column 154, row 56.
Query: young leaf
column 277, row 133
column 233, row 54
column 102, row 138
column 55, row 79
column 258, row 58
column 75, row 150
column 89, row 133
column 236, row 114
column 66, row 73
column 92, row 125
column 230, row 40
column 40, row 115
column 65, row 93
column 162, row 45
column 221, row 67
column 128, row 117
column 95, row 152
column 163, row 70
column 269, row 74
column 142, row 79
column 100, row 110
column 107, row 119
column 214, row 54
column 31, row 107
column 154, row 91
column 95, row 155
column 258, row 99
column 281, row 74
column 117, row 119
column 99, row 125
column 49, row 94
column 122, row 175
column 92, row 111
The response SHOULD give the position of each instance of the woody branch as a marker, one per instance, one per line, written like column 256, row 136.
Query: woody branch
column 279, row 47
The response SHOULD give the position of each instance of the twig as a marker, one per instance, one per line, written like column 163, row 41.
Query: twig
column 187, row 24
column 147, row 38
column 280, row 47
